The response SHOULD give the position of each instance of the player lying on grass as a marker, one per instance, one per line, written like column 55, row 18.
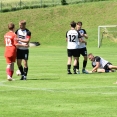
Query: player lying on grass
column 100, row 65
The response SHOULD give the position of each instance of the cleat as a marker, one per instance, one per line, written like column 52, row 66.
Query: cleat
column 22, row 78
column 25, row 78
column 9, row 78
column 69, row 73
column 78, row 72
column 84, row 71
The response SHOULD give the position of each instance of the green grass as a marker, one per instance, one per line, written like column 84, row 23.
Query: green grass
column 50, row 92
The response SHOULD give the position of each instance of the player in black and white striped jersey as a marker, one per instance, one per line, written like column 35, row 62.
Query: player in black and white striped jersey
column 73, row 39
column 101, row 65
column 82, row 47
column 24, row 36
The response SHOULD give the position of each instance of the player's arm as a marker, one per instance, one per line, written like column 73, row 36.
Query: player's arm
column 96, row 67
column 18, row 44
column 82, row 41
column 84, row 34
column 27, row 38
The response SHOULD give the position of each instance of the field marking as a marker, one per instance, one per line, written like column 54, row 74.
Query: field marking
column 59, row 90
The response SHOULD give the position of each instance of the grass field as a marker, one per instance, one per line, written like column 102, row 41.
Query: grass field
column 50, row 92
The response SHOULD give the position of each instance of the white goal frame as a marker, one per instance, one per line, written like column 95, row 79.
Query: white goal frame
column 104, row 26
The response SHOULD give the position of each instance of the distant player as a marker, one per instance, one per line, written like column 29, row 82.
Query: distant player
column 82, row 47
column 73, row 38
column 24, row 36
column 101, row 65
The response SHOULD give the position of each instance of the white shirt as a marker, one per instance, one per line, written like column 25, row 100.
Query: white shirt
column 102, row 62
column 72, row 39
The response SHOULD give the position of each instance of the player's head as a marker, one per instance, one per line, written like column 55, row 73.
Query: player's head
column 73, row 24
column 91, row 57
column 11, row 26
column 79, row 25
column 22, row 24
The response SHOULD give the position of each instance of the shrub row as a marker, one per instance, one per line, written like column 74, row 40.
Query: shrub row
column 63, row 2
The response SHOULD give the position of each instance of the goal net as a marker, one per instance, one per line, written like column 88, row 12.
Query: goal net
column 107, row 34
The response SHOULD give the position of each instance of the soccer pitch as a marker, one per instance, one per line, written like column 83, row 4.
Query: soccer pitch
column 50, row 92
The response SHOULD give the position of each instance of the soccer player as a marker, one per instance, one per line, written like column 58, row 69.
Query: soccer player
column 101, row 65
column 24, row 36
column 10, row 50
column 82, row 47
column 73, row 38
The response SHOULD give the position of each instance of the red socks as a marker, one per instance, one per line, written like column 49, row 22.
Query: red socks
column 9, row 72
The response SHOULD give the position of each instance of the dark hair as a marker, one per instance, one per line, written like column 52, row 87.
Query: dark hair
column 79, row 23
column 73, row 24
column 11, row 26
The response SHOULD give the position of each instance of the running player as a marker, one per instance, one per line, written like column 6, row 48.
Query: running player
column 101, row 65
column 24, row 36
column 82, row 47
column 10, row 50
column 73, row 38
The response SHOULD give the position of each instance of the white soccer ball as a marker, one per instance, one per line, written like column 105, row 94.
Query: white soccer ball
column 18, row 73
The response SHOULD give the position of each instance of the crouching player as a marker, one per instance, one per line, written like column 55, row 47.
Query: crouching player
column 100, row 65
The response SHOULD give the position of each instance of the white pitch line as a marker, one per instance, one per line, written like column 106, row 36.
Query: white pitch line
column 59, row 90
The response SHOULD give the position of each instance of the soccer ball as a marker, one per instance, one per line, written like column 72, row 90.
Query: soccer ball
column 18, row 73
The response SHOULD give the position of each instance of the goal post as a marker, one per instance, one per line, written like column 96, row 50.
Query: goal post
column 105, row 29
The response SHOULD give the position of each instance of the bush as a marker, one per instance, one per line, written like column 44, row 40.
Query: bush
column 63, row 2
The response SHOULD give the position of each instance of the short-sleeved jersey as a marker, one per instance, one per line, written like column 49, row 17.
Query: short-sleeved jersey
column 102, row 62
column 23, row 34
column 10, row 41
column 72, row 39
column 82, row 31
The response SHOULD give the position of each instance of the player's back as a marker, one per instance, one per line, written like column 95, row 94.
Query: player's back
column 72, row 36
column 10, row 42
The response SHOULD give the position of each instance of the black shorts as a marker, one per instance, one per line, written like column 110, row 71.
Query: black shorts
column 72, row 52
column 106, row 67
column 82, row 51
column 22, row 54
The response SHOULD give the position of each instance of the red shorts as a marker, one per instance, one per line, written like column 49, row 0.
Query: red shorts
column 10, row 59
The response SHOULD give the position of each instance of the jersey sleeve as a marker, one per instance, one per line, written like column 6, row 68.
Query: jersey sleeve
column 66, row 34
column 97, row 58
column 28, row 34
column 16, row 32
column 84, row 31
column 79, row 35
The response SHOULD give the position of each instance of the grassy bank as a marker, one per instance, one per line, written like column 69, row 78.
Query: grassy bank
column 49, row 25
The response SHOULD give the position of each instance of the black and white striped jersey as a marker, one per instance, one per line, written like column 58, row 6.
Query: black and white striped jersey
column 82, row 31
column 23, row 34
column 102, row 62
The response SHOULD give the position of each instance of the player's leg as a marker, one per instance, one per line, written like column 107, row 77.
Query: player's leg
column 25, row 68
column 75, row 65
column 69, row 53
column 25, row 62
column 101, row 70
column 78, row 56
column 112, row 67
column 19, row 62
column 8, row 68
column 84, row 54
